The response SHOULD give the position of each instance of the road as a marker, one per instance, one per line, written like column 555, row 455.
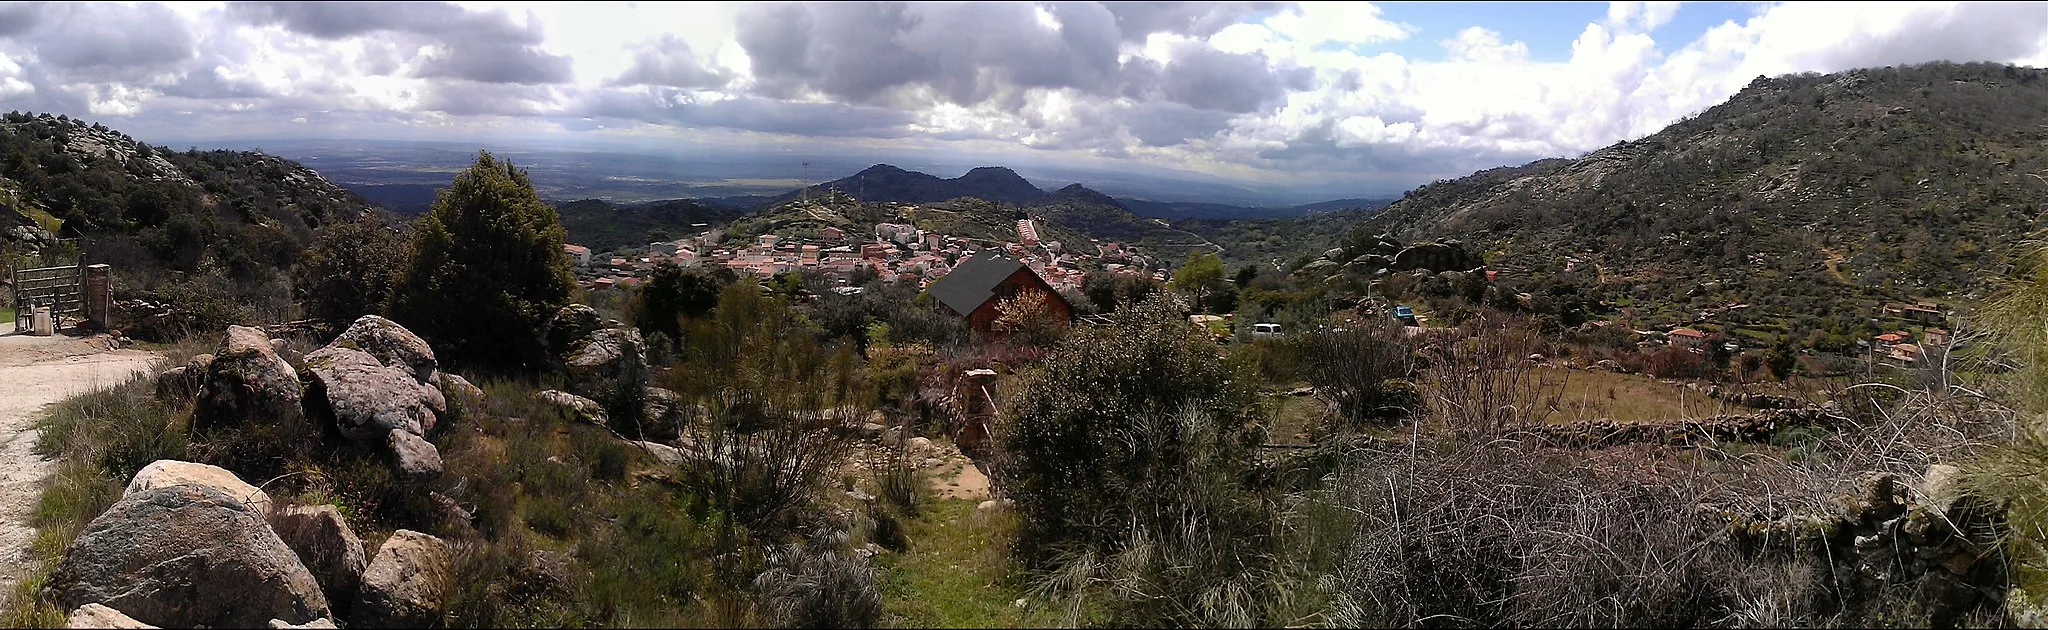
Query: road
column 34, row 372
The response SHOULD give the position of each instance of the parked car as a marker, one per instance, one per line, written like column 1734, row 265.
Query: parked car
column 1265, row 330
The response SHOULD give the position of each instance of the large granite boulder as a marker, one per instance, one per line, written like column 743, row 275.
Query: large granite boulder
column 610, row 366
column 411, row 455
column 461, row 392
column 576, row 407
column 183, row 382
column 1443, row 255
column 569, row 328
column 404, row 585
column 187, row 555
column 662, row 417
column 326, row 545
column 364, row 399
column 171, row 472
column 246, row 382
column 391, row 344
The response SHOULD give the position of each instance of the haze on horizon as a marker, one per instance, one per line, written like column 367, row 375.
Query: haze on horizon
column 1350, row 98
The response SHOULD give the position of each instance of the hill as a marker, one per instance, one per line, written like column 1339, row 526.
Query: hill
column 224, row 224
column 1277, row 243
column 883, row 182
column 1811, row 197
column 1102, row 217
column 1179, row 210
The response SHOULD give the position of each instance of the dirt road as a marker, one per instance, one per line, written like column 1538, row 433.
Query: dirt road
column 36, row 371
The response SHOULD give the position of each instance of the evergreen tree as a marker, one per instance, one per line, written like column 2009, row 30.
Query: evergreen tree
column 488, row 269
column 349, row 270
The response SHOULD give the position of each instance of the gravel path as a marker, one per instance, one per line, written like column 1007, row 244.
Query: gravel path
column 36, row 371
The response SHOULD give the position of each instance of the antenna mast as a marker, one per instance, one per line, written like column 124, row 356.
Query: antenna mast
column 807, row 180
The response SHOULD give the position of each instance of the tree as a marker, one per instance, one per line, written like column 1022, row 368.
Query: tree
column 673, row 293
column 487, row 269
column 1200, row 276
column 349, row 270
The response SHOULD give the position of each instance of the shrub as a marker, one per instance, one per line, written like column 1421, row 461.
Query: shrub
column 1365, row 369
column 819, row 584
column 349, row 270
column 487, row 269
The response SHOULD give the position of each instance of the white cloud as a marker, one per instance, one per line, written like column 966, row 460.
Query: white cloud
column 1241, row 90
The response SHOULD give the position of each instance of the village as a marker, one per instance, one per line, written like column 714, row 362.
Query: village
column 896, row 252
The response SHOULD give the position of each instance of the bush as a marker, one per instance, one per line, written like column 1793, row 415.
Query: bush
column 819, row 584
column 1365, row 369
column 349, row 270
column 487, row 269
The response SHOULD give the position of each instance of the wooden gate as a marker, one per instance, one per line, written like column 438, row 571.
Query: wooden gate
column 60, row 288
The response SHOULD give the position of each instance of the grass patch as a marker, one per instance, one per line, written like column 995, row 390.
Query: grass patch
column 958, row 573
column 1594, row 394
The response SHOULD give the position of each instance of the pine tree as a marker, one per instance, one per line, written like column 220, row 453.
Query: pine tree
column 487, row 270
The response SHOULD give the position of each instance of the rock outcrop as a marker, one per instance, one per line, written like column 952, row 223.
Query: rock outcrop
column 170, row 472
column 576, row 407
column 97, row 616
column 187, row 555
column 183, row 382
column 326, row 545
column 391, row 344
column 604, row 361
column 379, row 385
column 246, row 382
column 404, row 585
column 661, row 416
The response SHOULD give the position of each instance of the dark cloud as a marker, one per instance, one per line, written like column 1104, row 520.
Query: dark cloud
column 1207, row 78
column 672, row 107
column 1136, row 20
column 470, row 98
column 1169, row 124
column 19, row 17
column 482, row 47
column 207, row 82
column 498, row 63
column 670, row 62
column 112, row 40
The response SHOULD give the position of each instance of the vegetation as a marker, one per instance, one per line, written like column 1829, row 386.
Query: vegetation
column 487, row 269
column 349, row 270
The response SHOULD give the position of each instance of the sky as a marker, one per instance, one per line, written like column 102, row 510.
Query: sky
column 1373, row 96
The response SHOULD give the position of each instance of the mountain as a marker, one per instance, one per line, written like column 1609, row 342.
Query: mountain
column 1277, row 242
column 1184, row 210
column 883, row 182
column 602, row 225
column 1811, row 197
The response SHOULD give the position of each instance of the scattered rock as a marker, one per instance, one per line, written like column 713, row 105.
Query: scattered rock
column 171, row 472
column 326, row 545
column 413, row 456
column 364, row 399
column 404, row 584
column 97, row 616
column 451, row 509
column 579, row 408
column 182, row 382
column 246, row 381
column 1941, row 488
column 187, row 555
column 667, row 455
column 570, row 327
column 322, row 623
column 662, row 416
column 871, row 430
column 391, row 344
column 920, row 443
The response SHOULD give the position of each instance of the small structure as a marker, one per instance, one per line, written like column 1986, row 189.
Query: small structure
column 579, row 254
column 1688, row 337
column 1935, row 337
column 975, row 285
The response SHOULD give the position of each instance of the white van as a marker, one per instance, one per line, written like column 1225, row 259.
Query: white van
column 1265, row 330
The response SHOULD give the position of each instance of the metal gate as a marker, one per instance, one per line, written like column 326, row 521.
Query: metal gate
column 60, row 288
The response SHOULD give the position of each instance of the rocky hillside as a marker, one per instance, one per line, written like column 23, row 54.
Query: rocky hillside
column 603, row 225
column 1101, row 217
column 154, row 213
column 1812, row 197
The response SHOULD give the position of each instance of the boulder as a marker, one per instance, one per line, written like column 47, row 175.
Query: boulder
column 413, row 456
column 405, row 583
column 246, row 381
column 1941, row 488
column 322, row 623
column 609, row 365
column 97, row 616
column 183, row 382
column 171, row 472
column 667, row 455
column 187, row 555
column 391, row 344
column 1439, row 256
column 364, row 399
column 434, row 399
column 569, row 328
column 465, row 395
column 577, row 407
column 662, row 416
column 326, row 545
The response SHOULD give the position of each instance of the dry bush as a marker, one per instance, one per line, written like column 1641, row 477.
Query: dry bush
column 1363, row 369
column 759, row 459
column 819, row 584
column 1484, row 384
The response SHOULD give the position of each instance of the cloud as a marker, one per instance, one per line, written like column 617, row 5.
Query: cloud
column 1276, row 91
column 668, row 61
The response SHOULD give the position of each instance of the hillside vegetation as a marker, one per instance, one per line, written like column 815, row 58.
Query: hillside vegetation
column 1811, row 197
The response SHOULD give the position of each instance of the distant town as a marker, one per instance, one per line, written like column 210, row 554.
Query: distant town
column 895, row 252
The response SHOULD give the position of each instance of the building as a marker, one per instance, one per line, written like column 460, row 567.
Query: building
column 975, row 285
column 1935, row 337
column 1688, row 337
column 579, row 254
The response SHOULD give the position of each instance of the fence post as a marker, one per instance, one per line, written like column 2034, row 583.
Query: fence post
column 98, row 296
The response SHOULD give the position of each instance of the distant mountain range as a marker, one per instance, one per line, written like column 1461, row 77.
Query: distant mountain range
column 884, row 182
